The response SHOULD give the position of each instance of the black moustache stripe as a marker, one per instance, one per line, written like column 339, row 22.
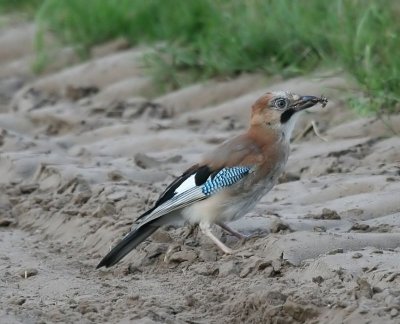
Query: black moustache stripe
column 286, row 115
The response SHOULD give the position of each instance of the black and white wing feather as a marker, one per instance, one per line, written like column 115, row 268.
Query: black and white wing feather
column 195, row 184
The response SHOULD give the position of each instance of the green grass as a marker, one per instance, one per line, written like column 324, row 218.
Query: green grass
column 25, row 6
column 207, row 38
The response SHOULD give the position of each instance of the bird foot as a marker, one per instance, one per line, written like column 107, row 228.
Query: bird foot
column 206, row 229
column 226, row 249
column 191, row 230
column 171, row 250
column 235, row 233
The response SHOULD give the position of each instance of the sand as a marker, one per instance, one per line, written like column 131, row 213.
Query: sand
column 86, row 148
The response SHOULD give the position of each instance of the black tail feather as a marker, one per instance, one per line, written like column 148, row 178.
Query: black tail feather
column 127, row 244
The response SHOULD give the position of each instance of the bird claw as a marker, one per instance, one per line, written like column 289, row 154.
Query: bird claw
column 190, row 230
column 172, row 249
column 233, row 232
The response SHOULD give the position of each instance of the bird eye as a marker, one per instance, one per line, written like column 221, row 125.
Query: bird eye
column 281, row 103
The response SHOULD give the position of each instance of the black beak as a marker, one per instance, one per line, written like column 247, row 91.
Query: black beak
column 301, row 104
column 308, row 101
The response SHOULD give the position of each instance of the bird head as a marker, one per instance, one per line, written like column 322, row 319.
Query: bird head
column 279, row 110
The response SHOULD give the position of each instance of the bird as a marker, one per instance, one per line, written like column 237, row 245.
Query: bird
column 230, row 180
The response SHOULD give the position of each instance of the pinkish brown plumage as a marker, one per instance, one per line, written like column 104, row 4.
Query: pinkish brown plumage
column 230, row 180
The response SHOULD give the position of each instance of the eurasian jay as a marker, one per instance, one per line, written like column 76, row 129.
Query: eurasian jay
column 230, row 180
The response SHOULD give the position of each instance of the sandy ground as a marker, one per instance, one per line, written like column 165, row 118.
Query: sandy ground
column 85, row 149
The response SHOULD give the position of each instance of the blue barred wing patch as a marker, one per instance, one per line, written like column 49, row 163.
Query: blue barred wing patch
column 224, row 178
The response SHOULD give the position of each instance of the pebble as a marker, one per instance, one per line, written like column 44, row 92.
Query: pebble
column 246, row 270
column 364, row 289
column 208, row 255
column 181, row 256
column 132, row 269
column 85, row 307
column 115, row 176
column 161, row 236
column 28, row 188
column 106, row 209
column 319, row 228
column 18, row 301
column 146, row 162
column 190, row 300
column 288, row 177
column 394, row 312
column 325, row 214
column 357, row 255
column 155, row 249
column 301, row 313
column 376, row 290
column 318, row 279
column 276, row 265
column 278, row 225
column 117, row 196
column 359, row 227
column 276, row 297
column 396, row 292
column 268, row 272
column 336, row 251
column 26, row 273
column 329, row 214
column 229, row 267
column 71, row 212
column 256, row 264
column 82, row 197
column 205, row 269
column 5, row 222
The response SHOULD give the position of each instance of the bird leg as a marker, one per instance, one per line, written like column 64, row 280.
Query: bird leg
column 233, row 232
column 190, row 230
column 206, row 229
